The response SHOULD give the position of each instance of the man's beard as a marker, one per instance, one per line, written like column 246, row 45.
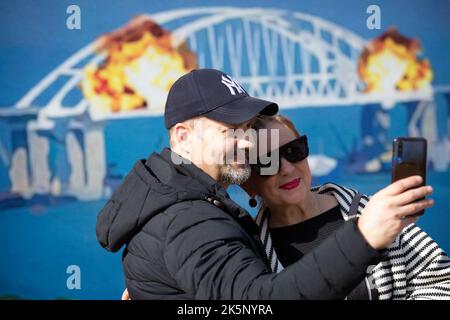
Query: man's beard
column 232, row 175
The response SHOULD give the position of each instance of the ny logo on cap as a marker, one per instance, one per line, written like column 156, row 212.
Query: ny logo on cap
column 232, row 85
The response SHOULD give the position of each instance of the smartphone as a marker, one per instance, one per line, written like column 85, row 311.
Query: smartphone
column 409, row 158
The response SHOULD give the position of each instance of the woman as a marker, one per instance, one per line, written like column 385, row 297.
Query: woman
column 293, row 219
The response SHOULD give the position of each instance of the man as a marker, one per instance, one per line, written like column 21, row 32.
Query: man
column 186, row 239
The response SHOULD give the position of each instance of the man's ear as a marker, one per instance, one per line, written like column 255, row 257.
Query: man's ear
column 182, row 135
column 248, row 188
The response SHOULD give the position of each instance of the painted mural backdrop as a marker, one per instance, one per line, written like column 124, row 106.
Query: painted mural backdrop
column 83, row 87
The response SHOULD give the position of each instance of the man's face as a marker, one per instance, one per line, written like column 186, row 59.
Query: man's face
column 222, row 150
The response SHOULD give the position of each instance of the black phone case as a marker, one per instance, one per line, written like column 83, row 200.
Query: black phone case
column 409, row 158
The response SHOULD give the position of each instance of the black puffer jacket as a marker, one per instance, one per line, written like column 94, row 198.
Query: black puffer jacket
column 182, row 246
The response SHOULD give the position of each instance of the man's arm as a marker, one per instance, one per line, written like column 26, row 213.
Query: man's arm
column 208, row 255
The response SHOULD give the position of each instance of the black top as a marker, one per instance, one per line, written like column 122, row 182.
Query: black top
column 293, row 242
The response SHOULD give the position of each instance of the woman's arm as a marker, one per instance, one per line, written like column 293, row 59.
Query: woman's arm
column 427, row 266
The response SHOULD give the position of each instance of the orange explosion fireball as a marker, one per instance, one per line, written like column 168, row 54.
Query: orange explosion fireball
column 390, row 63
column 140, row 67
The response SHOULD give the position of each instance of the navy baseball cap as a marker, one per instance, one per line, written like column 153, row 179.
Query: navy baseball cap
column 215, row 95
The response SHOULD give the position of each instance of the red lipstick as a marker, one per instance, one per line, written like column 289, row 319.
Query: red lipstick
column 291, row 184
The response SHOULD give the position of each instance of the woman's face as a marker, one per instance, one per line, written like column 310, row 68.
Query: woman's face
column 293, row 180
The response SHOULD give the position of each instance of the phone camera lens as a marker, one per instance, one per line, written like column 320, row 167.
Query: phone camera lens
column 400, row 149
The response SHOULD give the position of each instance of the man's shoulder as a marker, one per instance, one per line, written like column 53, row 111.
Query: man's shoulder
column 201, row 215
column 195, row 209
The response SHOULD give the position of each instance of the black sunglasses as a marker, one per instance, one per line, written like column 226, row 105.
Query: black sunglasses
column 294, row 151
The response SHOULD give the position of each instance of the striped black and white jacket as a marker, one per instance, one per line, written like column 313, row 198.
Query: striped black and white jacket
column 415, row 267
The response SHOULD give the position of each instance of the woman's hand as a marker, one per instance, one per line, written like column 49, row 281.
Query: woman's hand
column 391, row 209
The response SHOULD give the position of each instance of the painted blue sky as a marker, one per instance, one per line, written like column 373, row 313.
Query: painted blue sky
column 34, row 37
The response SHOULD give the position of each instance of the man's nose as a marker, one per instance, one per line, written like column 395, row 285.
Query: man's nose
column 245, row 144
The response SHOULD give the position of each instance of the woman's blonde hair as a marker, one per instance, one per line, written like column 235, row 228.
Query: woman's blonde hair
column 262, row 121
